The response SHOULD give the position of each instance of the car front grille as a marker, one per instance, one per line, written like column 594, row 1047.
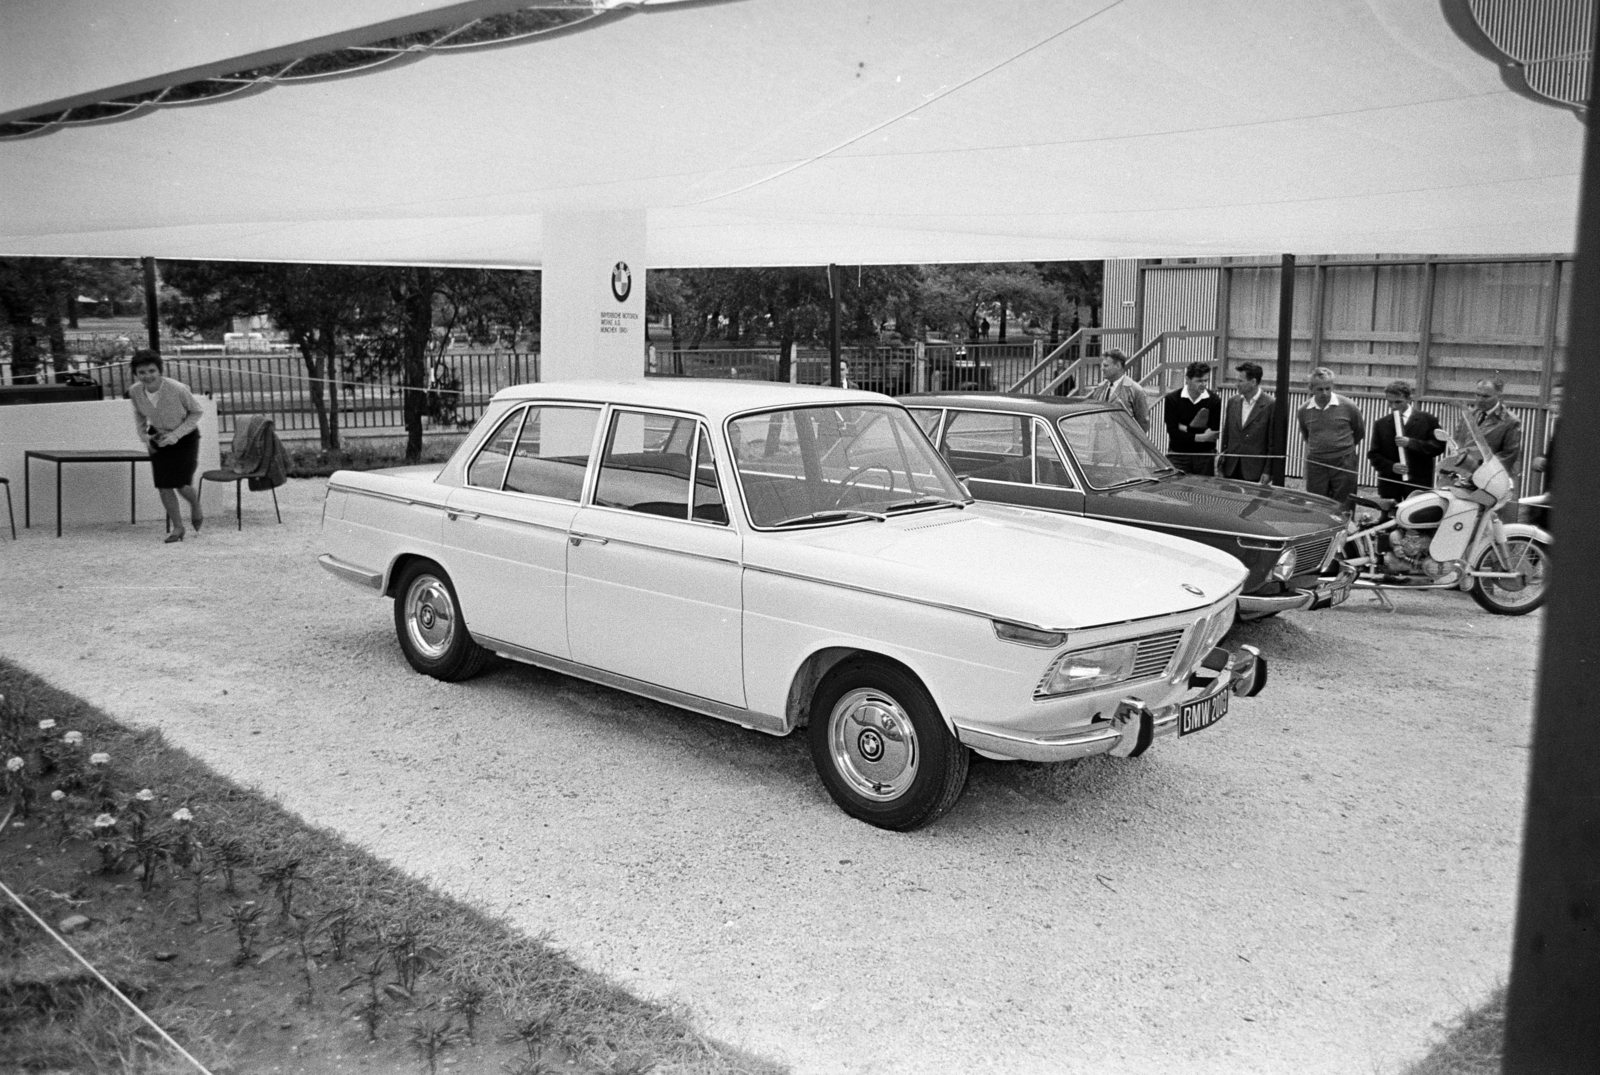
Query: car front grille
column 1309, row 551
column 1155, row 653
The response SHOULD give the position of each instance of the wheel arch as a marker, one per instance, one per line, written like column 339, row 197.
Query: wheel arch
column 815, row 668
column 397, row 568
column 1527, row 530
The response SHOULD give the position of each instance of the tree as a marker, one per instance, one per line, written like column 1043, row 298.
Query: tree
column 319, row 307
column 38, row 294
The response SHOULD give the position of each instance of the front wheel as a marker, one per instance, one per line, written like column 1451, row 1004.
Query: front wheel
column 882, row 749
column 427, row 619
column 1530, row 559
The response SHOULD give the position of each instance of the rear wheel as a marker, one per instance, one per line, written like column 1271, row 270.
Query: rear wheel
column 881, row 747
column 1530, row 559
column 427, row 620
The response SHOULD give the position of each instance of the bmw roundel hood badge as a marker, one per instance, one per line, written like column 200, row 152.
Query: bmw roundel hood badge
column 1197, row 591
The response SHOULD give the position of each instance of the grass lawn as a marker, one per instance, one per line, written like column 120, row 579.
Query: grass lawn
column 1471, row 1045
column 308, row 460
column 263, row 943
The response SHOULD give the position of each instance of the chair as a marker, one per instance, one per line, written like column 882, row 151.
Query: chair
column 9, row 513
column 239, row 477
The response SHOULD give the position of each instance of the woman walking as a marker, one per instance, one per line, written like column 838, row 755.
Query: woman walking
column 168, row 419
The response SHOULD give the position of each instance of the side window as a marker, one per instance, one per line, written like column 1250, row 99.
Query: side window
column 488, row 468
column 927, row 418
column 553, row 452
column 708, row 505
column 1048, row 467
column 646, row 464
column 991, row 447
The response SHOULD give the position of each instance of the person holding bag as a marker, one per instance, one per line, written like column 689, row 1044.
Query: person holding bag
column 167, row 416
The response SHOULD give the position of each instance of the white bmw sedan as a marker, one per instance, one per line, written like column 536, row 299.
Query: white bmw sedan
column 786, row 557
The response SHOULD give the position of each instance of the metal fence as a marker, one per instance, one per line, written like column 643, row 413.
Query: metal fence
column 460, row 385
column 894, row 370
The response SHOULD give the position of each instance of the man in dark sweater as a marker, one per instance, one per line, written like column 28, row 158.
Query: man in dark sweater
column 1332, row 427
column 1193, row 416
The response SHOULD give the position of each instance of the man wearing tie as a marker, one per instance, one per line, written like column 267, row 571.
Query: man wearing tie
column 1403, row 445
column 1247, row 428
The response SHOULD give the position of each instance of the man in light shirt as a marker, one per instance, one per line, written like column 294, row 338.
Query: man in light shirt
column 1332, row 427
column 1403, row 446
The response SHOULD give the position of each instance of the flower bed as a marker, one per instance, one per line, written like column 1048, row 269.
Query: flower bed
column 260, row 942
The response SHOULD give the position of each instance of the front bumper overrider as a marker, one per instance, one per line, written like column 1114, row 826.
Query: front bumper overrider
column 1325, row 594
column 1135, row 725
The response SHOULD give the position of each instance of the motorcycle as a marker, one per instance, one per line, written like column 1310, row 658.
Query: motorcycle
column 1452, row 538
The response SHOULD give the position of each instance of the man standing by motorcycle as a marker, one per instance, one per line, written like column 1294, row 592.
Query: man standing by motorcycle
column 1500, row 429
column 1403, row 445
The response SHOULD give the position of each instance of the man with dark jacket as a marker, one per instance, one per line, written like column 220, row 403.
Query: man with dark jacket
column 1403, row 446
column 1247, row 428
column 1193, row 420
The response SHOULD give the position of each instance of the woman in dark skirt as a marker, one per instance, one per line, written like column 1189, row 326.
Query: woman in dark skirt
column 168, row 419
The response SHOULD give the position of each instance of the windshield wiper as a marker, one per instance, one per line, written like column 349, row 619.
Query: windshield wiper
column 836, row 513
column 1125, row 482
column 925, row 502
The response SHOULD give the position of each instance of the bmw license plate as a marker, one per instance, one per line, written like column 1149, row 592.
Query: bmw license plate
column 1198, row 716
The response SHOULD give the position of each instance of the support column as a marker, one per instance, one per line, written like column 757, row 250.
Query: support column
column 1280, row 413
column 591, row 291
column 152, row 310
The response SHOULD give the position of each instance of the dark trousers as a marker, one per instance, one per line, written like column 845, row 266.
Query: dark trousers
column 1204, row 465
column 1333, row 478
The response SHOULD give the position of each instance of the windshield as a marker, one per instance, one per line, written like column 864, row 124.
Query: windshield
column 824, row 464
column 1110, row 449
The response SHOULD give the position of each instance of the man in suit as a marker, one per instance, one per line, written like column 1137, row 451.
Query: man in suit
column 1247, row 428
column 1502, row 434
column 1192, row 419
column 1118, row 387
column 1403, row 446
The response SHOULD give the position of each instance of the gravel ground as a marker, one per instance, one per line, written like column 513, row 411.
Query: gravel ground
column 1311, row 885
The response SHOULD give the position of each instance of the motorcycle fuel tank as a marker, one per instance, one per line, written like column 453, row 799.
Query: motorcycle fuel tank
column 1422, row 510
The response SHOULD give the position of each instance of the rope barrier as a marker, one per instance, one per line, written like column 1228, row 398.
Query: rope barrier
column 62, row 941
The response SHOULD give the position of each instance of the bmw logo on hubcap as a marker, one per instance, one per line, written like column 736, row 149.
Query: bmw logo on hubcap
column 427, row 617
column 871, row 745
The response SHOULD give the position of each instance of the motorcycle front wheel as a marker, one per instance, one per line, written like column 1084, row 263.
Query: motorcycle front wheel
column 1513, row 597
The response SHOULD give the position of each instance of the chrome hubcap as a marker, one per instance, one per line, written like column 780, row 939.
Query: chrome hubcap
column 1528, row 561
column 430, row 617
column 873, row 744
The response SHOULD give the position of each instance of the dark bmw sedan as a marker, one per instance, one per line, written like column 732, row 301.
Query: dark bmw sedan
column 1090, row 459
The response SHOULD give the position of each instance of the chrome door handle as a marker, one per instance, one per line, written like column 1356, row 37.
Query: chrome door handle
column 453, row 515
column 578, row 539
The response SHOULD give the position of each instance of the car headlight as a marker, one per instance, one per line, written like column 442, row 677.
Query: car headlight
column 1086, row 669
column 1283, row 570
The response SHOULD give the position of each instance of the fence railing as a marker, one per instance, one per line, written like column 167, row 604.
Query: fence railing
column 459, row 387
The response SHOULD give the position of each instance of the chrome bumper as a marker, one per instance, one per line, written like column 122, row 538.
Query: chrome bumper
column 367, row 580
column 1135, row 726
column 1326, row 594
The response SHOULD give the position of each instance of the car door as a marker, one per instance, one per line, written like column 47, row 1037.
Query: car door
column 1011, row 458
column 654, row 575
column 509, row 525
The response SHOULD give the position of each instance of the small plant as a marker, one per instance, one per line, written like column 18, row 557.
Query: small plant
column 281, row 876
column 18, row 786
column 409, row 954
column 534, row 1033
column 429, row 1039
column 631, row 1064
column 337, row 924
column 246, row 927
column 108, row 843
column 368, row 1010
column 13, row 926
column 467, row 1001
column 228, row 853
column 306, row 931
column 61, row 813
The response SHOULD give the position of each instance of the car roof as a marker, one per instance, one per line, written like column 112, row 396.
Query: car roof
column 716, row 399
column 1044, row 406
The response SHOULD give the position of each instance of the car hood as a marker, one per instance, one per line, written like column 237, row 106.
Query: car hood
column 1220, row 504
column 1032, row 567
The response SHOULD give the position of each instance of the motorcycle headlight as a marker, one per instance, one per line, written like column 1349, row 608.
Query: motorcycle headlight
column 1086, row 669
column 1364, row 517
column 1283, row 570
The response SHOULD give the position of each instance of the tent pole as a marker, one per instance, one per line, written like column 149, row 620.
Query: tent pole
column 834, row 373
column 152, row 313
column 1280, row 413
column 1554, row 993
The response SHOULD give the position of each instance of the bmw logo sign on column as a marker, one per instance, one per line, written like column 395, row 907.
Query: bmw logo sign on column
column 621, row 281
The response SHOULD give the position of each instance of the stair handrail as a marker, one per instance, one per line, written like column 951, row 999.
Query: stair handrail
column 1080, row 335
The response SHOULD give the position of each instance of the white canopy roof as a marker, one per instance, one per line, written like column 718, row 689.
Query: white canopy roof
column 763, row 132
